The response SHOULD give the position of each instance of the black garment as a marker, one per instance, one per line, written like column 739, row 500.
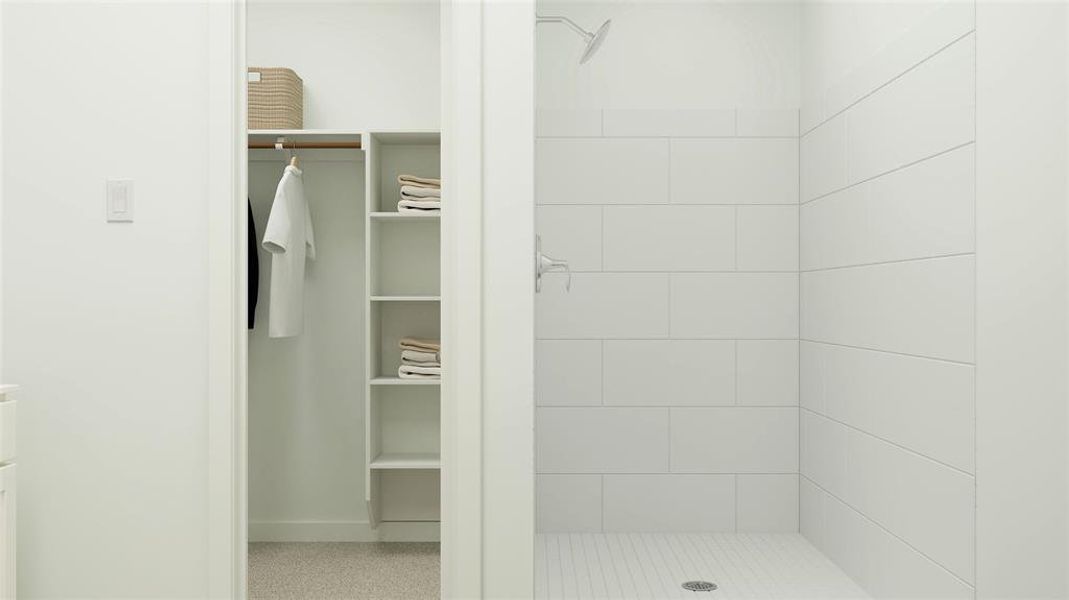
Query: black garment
column 254, row 269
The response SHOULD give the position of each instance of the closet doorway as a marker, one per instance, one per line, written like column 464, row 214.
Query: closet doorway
column 344, row 392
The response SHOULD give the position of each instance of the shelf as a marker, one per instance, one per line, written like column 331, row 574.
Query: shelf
column 406, row 298
column 399, row 381
column 396, row 216
column 306, row 135
column 406, row 460
column 408, row 137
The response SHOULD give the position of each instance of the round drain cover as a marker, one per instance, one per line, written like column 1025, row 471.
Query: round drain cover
column 699, row 586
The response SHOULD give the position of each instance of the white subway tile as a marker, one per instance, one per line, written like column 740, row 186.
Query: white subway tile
column 823, row 452
column 928, row 110
column 670, row 372
column 602, row 440
column 568, row 372
column 669, row 123
column 924, row 210
column 834, row 230
column 734, row 305
column 930, row 506
column 924, row 405
column 568, row 122
column 768, row 372
column 734, row 440
column 601, row 171
column 768, row 503
column 603, row 305
column 669, row 238
column 920, row 211
column 924, row 307
column 572, row 233
column 882, row 564
column 568, row 503
column 659, row 503
column 928, row 33
column 811, row 512
column 734, row 171
column 767, row 122
column 768, row 238
column 823, row 159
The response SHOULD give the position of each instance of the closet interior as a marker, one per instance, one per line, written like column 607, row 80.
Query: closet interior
column 344, row 417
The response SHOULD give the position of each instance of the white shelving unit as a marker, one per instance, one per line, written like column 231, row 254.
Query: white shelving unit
column 402, row 420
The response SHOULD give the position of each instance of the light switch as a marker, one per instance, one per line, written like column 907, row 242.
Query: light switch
column 120, row 201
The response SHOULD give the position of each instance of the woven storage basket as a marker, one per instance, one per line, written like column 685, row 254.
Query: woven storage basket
column 276, row 100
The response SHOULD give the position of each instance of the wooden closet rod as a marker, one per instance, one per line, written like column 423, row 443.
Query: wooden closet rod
column 294, row 145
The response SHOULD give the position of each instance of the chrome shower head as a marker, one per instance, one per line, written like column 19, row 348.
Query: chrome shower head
column 593, row 40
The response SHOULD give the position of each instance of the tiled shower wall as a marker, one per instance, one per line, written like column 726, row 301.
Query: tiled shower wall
column 667, row 378
column 888, row 485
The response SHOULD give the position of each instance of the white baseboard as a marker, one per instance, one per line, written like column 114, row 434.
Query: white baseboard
column 342, row 531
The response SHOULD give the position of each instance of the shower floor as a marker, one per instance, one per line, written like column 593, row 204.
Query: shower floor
column 782, row 566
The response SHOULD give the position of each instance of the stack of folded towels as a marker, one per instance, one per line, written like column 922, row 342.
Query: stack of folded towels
column 420, row 359
column 419, row 195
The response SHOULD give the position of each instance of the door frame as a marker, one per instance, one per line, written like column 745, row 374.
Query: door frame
column 488, row 245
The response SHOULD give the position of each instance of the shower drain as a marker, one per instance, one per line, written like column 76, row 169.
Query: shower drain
column 699, row 586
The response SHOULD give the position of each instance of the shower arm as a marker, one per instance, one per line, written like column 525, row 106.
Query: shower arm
column 566, row 21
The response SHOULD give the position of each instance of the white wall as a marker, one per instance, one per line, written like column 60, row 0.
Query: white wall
column 667, row 378
column 364, row 65
column 1022, row 126
column 671, row 54
column 306, row 412
column 106, row 324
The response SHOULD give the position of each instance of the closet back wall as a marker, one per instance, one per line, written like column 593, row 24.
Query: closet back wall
column 364, row 65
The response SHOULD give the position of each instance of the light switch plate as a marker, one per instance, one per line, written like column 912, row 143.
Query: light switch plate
column 120, row 200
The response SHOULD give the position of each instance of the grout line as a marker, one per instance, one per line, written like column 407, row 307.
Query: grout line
column 889, row 442
column 601, row 478
column 886, row 83
column 888, row 262
column 736, row 344
column 919, row 356
column 884, row 173
column 602, row 372
column 735, row 249
column 888, row 532
column 976, row 331
column 736, row 502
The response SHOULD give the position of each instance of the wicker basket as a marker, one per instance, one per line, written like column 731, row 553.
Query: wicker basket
column 276, row 99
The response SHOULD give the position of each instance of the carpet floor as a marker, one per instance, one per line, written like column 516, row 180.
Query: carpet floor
column 343, row 571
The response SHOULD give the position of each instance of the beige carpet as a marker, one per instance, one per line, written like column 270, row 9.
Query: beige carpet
column 343, row 571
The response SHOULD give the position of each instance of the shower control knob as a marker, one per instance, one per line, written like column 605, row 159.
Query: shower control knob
column 547, row 264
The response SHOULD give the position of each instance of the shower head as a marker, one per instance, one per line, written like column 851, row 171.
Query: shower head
column 593, row 40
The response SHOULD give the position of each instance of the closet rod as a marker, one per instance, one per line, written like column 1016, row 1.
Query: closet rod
column 290, row 144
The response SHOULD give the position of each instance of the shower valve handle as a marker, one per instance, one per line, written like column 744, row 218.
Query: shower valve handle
column 548, row 264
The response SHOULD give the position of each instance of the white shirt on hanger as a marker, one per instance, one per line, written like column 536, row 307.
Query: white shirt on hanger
column 289, row 239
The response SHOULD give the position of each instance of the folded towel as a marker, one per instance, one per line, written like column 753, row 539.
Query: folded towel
column 415, row 192
column 419, row 356
column 416, row 372
column 419, row 206
column 428, row 182
column 408, row 343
